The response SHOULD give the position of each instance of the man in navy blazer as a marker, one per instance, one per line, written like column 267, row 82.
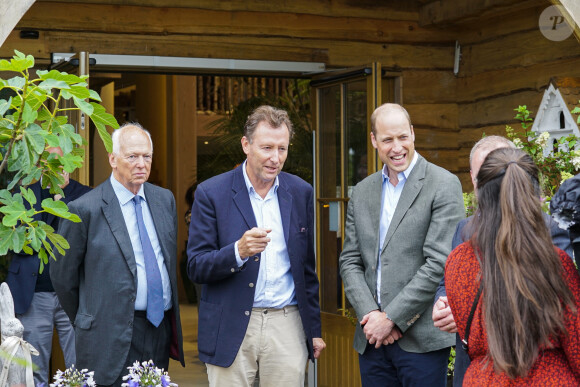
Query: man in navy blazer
column 35, row 302
column 251, row 246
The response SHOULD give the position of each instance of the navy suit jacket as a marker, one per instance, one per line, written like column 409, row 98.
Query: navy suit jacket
column 23, row 270
column 220, row 215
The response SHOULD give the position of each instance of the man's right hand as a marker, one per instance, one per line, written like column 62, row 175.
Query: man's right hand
column 442, row 316
column 253, row 242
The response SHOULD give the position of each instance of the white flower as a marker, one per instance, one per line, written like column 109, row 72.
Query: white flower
column 560, row 163
column 146, row 374
column 73, row 377
column 576, row 162
column 542, row 139
column 518, row 143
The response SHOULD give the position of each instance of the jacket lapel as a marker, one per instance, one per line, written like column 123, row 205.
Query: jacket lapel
column 160, row 220
column 114, row 217
column 285, row 203
column 412, row 187
column 242, row 199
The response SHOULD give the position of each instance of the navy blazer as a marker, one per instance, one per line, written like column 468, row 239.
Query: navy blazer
column 23, row 271
column 220, row 215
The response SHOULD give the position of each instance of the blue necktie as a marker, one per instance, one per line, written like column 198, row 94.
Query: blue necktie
column 154, row 285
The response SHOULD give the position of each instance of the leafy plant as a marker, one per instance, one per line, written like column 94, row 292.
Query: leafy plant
column 560, row 163
column 33, row 118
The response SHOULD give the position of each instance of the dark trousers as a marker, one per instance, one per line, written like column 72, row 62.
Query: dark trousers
column 391, row 366
column 148, row 343
column 462, row 361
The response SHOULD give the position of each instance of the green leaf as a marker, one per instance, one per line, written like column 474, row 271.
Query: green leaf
column 18, row 239
column 85, row 107
column 5, row 239
column 16, row 82
column 28, row 195
column 60, row 209
column 34, row 136
column 4, row 106
column 59, row 242
column 50, row 84
column 94, row 95
column 13, row 213
column 79, row 91
column 28, row 114
column 59, row 76
column 105, row 136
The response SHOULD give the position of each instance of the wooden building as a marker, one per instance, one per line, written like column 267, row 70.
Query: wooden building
column 460, row 67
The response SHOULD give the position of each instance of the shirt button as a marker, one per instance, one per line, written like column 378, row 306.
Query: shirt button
column 247, row 313
column 251, row 285
column 256, row 258
column 233, row 270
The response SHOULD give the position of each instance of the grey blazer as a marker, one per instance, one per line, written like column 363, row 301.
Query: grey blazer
column 96, row 279
column 413, row 256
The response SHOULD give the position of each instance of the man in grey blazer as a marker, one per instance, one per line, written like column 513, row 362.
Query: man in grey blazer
column 400, row 220
column 117, row 282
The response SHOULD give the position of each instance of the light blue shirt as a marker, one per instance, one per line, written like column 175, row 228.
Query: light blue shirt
column 128, row 209
column 275, row 284
column 390, row 198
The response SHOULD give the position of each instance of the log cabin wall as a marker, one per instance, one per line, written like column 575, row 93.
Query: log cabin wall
column 339, row 33
column 506, row 62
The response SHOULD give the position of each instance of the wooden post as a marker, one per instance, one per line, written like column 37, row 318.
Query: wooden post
column 11, row 11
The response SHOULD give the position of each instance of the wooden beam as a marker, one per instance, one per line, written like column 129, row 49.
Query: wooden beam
column 385, row 9
column 572, row 14
column 446, row 12
column 201, row 22
column 333, row 53
column 10, row 13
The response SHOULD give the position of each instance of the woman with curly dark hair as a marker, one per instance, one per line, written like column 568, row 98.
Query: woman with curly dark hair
column 524, row 330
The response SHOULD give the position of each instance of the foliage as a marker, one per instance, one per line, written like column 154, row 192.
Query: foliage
column 469, row 202
column 562, row 162
column 146, row 374
column 71, row 377
column 230, row 129
column 33, row 119
column 451, row 363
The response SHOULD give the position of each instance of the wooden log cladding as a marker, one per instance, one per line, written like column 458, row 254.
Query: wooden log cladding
column 436, row 138
column 517, row 50
column 392, row 10
column 496, row 111
column 429, row 86
column 433, row 116
column 446, row 12
column 442, row 157
column 496, row 83
column 190, row 21
column 333, row 53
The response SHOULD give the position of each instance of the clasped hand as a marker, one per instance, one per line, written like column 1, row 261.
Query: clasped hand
column 379, row 330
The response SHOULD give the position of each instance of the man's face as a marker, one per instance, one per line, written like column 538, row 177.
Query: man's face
column 267, row 152
column 131, row 167
column 394, row 140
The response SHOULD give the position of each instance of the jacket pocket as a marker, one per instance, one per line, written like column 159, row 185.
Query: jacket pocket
column 83, row 321
column 209, row 323
column 14, row 267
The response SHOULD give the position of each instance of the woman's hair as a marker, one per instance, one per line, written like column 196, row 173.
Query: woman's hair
column 524, row 292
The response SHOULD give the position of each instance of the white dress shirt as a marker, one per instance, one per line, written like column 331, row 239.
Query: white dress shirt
column 275, row 284
column 391, row 195
column 128, row 208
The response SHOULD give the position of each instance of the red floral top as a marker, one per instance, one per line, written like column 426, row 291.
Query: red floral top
column 558, row 366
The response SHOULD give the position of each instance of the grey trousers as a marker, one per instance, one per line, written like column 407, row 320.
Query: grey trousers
column 39, row 321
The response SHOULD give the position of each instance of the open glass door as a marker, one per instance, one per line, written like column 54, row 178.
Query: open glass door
column 343, row 156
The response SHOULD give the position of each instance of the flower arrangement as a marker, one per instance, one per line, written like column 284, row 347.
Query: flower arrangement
column 146, row 374
column 72, row 377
